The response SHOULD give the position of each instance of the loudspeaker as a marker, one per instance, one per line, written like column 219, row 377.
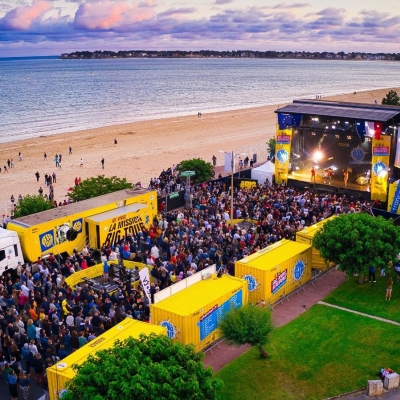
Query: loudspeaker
column 71, row 234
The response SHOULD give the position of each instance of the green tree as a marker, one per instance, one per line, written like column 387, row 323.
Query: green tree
column 271, row 145
column 391, row 98
column 203, row 170
column 149, row 368
column 31, row 205
column 93, row 187
column 248, row 324
column 357, row 241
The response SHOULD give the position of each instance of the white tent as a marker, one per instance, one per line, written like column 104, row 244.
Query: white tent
column 263, row 172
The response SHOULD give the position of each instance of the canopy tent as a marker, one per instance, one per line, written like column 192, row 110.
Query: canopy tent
column 263, row 172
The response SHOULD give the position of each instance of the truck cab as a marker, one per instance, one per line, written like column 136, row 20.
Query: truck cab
column 10, row 250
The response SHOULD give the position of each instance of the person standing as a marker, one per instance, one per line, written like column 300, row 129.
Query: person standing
column 37, row 176
column 102, row 163
column 20, row 156
column 12, row 385
column 105, row 271
column 371, row 274
column 24, row 382
column 81, row 163
column 214, row 160
column 345, row 176
column 70, row 150
column 389, row 288
column 44, row 157
column 313, row 174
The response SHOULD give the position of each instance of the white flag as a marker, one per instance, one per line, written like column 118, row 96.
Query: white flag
column 228, row 163
column 145, row 280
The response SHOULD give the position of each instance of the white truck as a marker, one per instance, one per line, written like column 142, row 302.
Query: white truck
column 10, row 250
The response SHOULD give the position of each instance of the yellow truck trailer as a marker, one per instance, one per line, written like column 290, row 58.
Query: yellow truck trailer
column 94, row 222
column 275, row 271
column 62, row 372
column 192, row 315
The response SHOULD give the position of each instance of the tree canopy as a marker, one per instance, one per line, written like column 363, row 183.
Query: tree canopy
column 203, row 170
column 149, row 368
column 93, row 187
column 248, row 324
column 31, row 205
column 391, row 98
column 271, row 145
column 357, row 241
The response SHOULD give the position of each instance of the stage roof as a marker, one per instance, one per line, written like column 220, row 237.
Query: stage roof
column 366, row 112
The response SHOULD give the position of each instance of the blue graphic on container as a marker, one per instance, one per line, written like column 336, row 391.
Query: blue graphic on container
column 171, row 330
column 396, row 200
column 210, row 320
column 357, row 154
column 77, row 225
column 379, row 168
column 46, row 240
column 298, row 270
column 251, row 282
column 282, row 155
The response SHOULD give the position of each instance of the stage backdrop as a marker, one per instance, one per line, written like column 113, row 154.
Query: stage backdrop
column 380, row 167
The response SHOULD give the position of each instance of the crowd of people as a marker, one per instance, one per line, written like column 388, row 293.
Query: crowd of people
column 42, row 320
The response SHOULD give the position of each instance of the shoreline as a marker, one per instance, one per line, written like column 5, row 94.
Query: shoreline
column 144, row 148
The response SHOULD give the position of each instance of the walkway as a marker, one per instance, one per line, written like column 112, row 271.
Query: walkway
column 389, row 321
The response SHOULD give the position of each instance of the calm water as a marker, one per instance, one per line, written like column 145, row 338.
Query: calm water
column 48, row 96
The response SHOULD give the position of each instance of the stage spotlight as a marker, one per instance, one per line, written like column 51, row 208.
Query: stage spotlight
column 318, row 155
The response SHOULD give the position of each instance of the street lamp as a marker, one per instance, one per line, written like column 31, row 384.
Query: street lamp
column 232, row 155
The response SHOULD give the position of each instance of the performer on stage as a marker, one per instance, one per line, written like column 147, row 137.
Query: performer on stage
column 313, row 174
column 345, row 176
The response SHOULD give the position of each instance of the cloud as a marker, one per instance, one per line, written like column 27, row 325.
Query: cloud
column 222, row 2
column 113, row 22
column 105, row 15
column 283, row 6
column 21, row 18
column 177, row 11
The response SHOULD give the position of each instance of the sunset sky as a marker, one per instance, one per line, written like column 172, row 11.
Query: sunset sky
column 52, row 27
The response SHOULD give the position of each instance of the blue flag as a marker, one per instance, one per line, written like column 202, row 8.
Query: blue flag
column 289, row 120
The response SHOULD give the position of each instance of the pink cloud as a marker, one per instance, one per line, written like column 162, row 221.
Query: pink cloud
column 21, row 18
column 108, row 15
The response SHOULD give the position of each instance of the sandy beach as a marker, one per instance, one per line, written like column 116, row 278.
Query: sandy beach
column 144, row 148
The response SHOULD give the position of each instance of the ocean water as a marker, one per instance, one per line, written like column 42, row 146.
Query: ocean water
column 44, row 96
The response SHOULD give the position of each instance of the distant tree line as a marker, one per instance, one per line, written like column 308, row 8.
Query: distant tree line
column 229, row 54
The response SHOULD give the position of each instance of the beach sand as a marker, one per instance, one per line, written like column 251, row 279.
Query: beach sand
column 144, row 149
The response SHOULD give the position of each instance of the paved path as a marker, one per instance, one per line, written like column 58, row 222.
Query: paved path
column 388, row 321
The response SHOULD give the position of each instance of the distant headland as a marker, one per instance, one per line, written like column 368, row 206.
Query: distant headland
column 325, row 55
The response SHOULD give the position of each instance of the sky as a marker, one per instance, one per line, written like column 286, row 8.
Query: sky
column 53, row 27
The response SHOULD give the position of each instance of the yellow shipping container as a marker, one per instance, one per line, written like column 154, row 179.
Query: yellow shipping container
column 192, row 315
column 306, row 236
column 275, row 271
column 62, row 372
column 96, row 221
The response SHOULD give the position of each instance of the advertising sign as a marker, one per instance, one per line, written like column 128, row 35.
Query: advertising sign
column 282, row 153
column 210, row 320
column 279, row 281
column 380, row 167
column 46, row 240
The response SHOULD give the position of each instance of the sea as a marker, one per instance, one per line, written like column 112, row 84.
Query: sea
column 46, row 95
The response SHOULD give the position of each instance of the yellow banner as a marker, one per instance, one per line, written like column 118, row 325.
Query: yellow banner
column 91, row 272
column 380, row 168
column 282, row 154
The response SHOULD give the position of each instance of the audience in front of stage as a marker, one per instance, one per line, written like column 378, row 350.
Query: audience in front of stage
column 42, row 320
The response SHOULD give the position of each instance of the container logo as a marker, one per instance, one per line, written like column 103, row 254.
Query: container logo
column 171, row 330
column 77, row 225
column 298, row 270
column 251, row 282
column 46, row 240
column 279, row 280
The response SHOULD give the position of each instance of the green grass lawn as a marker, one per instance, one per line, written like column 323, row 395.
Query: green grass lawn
column 322, row 353
column 368, row 298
